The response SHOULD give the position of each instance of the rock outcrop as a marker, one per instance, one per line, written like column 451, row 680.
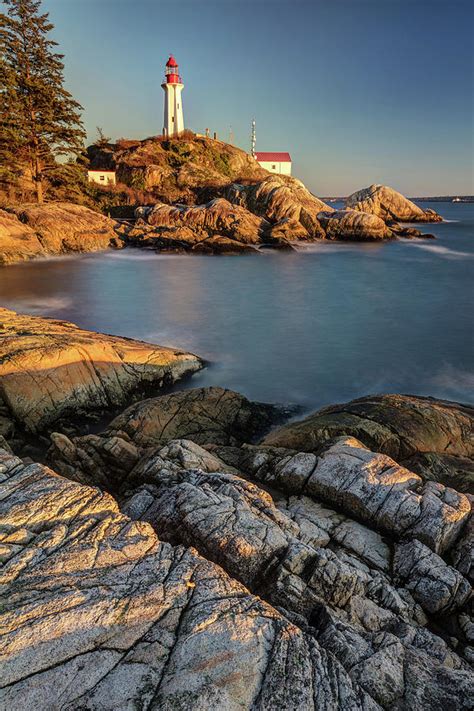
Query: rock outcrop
column 389, row 205
column 97, row 613
column 53, row 228
column 360, row 567
column 50, row 370
column 352, row 225
column 187, row 168
column 217, row 226
column 435, row 438
column 285, row 202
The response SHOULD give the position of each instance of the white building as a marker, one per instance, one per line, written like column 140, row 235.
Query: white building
column 173, row 123
column 102, row 177
column 274, row 162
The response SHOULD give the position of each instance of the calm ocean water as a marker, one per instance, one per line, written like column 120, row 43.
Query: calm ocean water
column 333, row 322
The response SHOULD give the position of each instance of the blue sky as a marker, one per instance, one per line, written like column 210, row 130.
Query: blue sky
column 359, row 91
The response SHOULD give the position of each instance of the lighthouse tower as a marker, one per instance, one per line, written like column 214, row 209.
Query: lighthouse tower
column 173, row 123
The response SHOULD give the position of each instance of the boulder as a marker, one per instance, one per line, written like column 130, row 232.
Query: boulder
column 408, row 428
column 352, row 225
column 52, row 370
column 285, row 202
column 389, row 204
column 97, row 613
column 54, row 228
column 211, row 414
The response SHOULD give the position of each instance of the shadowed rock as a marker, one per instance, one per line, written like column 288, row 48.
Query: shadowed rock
column 202, row 415
column 388, row 204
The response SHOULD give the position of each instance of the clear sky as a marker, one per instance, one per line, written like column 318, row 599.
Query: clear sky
column 359, row 91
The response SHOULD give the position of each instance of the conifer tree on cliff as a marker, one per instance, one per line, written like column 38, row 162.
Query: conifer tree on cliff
column 39, row 119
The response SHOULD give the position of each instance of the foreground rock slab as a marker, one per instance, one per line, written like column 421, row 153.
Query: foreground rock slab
column 50, row 370
column 97, row 613
column 53, row 228
column 387, row 203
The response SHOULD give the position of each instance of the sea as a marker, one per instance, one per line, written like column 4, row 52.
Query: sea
column 322, row 325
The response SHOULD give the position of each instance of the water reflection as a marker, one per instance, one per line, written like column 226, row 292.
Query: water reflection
column 331, row 323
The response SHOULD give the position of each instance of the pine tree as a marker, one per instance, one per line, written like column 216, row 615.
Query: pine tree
column 39, row 119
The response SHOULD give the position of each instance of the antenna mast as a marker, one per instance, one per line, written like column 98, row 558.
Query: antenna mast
column 253, row 139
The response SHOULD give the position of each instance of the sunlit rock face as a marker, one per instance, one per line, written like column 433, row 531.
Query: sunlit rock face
column 284, row 202
column 53, row 228
column 434, row 438
column 52, row 369
column 97, row 613
column 389, row 205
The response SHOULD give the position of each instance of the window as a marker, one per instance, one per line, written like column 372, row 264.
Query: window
column 102, row 177
column 172, row 119
column 273, row 167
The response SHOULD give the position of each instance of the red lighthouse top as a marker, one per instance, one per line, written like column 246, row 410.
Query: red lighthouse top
column 171, row 71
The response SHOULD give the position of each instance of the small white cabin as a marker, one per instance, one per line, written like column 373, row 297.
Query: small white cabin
column 102, row 177
column 274, row 162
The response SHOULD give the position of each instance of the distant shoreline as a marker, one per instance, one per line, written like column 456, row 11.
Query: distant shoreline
column 436, row 198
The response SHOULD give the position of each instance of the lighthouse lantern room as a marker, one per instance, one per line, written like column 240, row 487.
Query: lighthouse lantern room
column 172, row 86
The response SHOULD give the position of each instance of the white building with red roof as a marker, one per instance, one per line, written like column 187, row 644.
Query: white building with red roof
column 274, row 162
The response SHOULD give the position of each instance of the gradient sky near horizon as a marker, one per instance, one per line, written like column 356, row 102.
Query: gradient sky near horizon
column 359, row 91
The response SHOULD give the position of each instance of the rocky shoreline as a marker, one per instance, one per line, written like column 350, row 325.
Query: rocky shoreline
column 197, row 553
column 239, row 218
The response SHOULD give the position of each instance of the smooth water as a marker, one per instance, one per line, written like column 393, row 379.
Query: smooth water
column 330, row 323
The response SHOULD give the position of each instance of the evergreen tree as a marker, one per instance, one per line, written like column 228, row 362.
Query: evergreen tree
column 39, row 119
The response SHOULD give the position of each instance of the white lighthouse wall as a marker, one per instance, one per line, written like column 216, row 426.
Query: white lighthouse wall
column 282, row 167
column 173, row 115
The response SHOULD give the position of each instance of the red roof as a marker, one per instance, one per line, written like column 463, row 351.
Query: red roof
column 171, row 62
column 268, row 157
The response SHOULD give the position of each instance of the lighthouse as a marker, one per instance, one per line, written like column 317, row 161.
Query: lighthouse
column 172, row 86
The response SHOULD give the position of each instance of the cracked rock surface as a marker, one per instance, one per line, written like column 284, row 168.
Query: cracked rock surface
column 233, row 575
column 98, row 613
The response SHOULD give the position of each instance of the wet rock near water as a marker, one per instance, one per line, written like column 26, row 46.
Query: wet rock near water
column 51, row 371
